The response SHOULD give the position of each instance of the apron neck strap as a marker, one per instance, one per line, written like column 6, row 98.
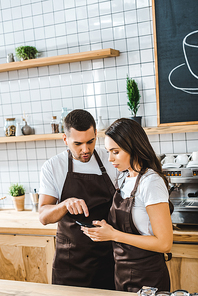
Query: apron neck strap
column 70, row 161
column 102, row 168
column 133, row 192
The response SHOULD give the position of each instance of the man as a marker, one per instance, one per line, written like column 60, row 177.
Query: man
column 76, row 185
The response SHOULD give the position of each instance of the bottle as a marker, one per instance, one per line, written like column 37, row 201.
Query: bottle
column 18, row 129
column 54, row 125
column 100, row 126
column 34, row 198
column 10, row 127
column 10, row 58
column 63, row 115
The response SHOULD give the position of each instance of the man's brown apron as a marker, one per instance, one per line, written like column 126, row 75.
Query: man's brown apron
column 78, row 260
column 134, row 267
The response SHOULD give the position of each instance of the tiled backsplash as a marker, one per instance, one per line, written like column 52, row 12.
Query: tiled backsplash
column 99, row 86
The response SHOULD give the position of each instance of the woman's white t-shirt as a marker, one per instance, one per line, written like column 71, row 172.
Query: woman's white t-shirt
column 151, row 190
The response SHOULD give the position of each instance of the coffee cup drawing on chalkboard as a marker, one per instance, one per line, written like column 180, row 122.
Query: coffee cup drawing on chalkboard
column 188, row 71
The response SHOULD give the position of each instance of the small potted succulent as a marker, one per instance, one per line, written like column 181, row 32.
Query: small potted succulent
column 133, row 99
column 18, row 195
column 26, row 52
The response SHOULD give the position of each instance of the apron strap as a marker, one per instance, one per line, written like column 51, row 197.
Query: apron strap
column 106, row 177
column 70, row 161
column 168, row 256
column 133, row 192
column 102, row 168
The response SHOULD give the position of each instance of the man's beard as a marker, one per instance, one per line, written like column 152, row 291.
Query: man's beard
column 82, row 159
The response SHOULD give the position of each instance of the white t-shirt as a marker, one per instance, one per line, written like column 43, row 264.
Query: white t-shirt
column 151, row 190
column 54, row 171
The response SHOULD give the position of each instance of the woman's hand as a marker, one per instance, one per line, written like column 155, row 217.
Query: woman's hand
column 103, row 231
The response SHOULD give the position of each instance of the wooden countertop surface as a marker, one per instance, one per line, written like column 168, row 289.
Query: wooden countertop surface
column 16, row 288
column 27, row 222
column 24, row 222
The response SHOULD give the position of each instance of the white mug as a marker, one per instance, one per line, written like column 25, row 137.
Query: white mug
column 194, row 156
column 168, row 159
column 182, row 159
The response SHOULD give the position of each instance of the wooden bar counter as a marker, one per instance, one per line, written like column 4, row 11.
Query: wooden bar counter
column 27, row 249
column 13, row 288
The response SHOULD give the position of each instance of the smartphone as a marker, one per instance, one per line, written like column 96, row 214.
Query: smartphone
column 85, row 225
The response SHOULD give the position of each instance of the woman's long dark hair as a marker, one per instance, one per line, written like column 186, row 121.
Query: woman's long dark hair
column 131, row 137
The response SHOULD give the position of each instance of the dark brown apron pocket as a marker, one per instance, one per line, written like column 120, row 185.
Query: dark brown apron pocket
column 158, row 279
column 61, row 258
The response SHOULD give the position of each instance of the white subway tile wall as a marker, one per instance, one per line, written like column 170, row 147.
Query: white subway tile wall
column 99, row 86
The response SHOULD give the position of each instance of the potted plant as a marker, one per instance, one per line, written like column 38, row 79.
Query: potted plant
column 26, row 52
column 133, row 99
column 18, row 195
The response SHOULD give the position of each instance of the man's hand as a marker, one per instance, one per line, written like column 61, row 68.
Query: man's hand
column 76, row 206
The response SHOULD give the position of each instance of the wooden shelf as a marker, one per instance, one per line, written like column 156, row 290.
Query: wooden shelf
column 30, row 138
column 148, row 130
column 166, row 130
column 171, row 129
column 62, row 59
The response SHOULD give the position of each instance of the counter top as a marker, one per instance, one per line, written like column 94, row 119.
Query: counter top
column 27, row 222
column 24, row 222
column 16, row 288
column 185, row 233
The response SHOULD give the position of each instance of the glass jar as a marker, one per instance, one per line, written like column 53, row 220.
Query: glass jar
column 54, row 125
column 10, row 127
column 147, row 291
column 63, row 115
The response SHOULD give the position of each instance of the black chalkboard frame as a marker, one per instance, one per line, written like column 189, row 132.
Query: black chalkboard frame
column 163, row 117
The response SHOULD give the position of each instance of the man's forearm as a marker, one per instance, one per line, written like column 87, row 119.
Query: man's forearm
column 52, row 213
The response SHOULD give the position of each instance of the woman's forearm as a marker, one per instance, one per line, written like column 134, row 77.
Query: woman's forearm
column 147, row 242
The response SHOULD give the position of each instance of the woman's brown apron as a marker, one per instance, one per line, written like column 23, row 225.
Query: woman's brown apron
column 134, row 267
column 79, row 261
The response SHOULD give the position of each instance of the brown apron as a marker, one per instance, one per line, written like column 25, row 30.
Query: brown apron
column 79, row 261
column 134, row 267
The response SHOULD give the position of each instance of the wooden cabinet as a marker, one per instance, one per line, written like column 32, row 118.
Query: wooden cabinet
column 26, row 247
column 183, row 267
column 26, row 258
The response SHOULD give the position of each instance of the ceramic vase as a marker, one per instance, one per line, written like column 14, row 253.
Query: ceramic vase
column 18, row 129
column 19, row 202
column 138, row 119
column 26, row 129
column 100, row 126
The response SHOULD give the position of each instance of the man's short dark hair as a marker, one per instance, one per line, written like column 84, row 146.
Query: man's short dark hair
column 79, row 119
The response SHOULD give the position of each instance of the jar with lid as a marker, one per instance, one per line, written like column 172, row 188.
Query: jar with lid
column 63, row 115
column 54, row 125
column 10, row 127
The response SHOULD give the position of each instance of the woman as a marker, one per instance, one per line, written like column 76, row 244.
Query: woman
column 139, row 221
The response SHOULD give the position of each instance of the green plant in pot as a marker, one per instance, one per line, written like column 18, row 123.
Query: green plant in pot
column 133, row 99
column 26, row 52
column 18, row 195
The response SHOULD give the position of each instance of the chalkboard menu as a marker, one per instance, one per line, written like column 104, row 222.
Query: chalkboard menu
column 176, row 60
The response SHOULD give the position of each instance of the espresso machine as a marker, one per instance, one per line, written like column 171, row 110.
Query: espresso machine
column 183, row 194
